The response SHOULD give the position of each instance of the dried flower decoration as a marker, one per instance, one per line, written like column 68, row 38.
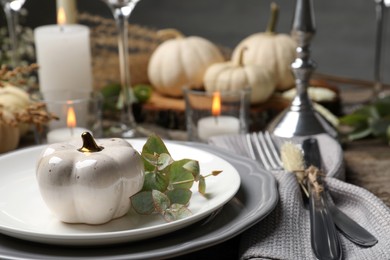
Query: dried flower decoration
column 36, row 114
column 17, row 76
column 312, row 175
column 7, row 117
column 292, row 158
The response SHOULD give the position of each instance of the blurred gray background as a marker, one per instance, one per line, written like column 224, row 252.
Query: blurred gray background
column 342, row 46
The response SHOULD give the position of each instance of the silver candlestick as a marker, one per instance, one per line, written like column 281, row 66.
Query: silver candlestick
column 300, row 118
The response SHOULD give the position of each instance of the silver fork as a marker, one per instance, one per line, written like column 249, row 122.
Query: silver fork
column 262, row 148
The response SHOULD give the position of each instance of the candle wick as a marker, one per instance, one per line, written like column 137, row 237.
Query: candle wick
column 61, row 28
column 71, row 131
column 216, row 120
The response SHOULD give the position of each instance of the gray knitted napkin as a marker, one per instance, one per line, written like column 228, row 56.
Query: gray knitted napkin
column 285, row 232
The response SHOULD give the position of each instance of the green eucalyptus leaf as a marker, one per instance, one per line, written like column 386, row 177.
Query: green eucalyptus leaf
column 164, row 160
column 155, row 181
column 383, row 106
column 193, row 167
column 202, row 185
column 175, row 212
column 180, row 178
column 370, row 111
column 379, row 127
column 179, row 196
column 160, row 200
column 142, row 203
column 374, row 113
column 355, row 120
column 216, row 173
column 359, row 134
column 153, row 145
column 150, row 158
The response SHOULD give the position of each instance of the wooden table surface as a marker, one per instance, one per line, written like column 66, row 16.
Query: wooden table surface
column 367, row 161
column 368, row 166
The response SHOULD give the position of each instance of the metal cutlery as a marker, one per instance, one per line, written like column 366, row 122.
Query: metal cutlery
column 324, row 238
column 352, row 230
column 262, row 147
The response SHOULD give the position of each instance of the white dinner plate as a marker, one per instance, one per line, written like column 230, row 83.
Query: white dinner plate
column 24, row 215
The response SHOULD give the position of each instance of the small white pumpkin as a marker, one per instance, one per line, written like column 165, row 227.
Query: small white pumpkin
column 9, row 131
column 234, row 75
column 15, row 99
column 92, row 184
column 276, row 51
column 181, row 62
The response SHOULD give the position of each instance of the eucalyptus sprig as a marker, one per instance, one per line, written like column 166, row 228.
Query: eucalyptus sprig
column 372, row 120
column 167, row 185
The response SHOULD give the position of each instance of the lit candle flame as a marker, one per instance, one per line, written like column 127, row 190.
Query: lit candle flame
column 61, row 17
column 71, row 118
column 216, row 105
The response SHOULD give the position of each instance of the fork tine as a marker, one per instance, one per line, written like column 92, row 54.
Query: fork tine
column 273, row 149
column 269, row 149
column 262, row 152
column 256, row 151
column 262, row 148
column 251, row 150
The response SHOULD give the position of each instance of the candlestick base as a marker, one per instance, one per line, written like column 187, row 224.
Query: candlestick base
column 300, row 122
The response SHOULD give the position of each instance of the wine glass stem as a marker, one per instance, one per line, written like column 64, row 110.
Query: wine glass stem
column 380, row 13
column 121, row 15
column 12, row 21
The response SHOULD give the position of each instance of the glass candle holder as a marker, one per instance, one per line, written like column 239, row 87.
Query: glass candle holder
column 77, row 112
column 217, row 113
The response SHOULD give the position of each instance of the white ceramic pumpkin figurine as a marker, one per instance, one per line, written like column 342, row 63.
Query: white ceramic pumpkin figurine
column 90, row 184
column 181, row 62
column 234, row 75
column 276, row 51
column 9, row 131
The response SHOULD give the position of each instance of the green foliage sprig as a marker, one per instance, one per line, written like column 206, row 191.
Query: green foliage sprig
column 372, row 120
column 167, row 184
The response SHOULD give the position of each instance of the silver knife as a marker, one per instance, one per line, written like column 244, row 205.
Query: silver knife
column 324, row 238
column 348, row 227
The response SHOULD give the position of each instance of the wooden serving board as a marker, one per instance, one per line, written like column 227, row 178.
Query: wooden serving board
column 169, row 112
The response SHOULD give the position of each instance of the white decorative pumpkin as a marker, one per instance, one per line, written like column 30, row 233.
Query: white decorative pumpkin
column 15, row 99
column 9, row 133
column 90, row 184
column 234, row 75
column 181, row 62
column 275, row 51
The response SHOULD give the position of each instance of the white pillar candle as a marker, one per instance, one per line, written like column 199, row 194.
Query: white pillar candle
column 64, row 134
column 217, row 125
column 64, row 57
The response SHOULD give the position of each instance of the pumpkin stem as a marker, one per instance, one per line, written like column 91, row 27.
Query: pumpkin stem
column 240, row 60
column 273, row 19
column 170, row 33
column 89, row 144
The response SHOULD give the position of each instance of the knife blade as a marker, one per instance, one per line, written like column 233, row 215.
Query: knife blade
column 348, row 227
column 324, row 238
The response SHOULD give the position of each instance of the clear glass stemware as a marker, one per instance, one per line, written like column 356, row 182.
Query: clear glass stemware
column 122, row 10
column 380, row 19
column 11, row 9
